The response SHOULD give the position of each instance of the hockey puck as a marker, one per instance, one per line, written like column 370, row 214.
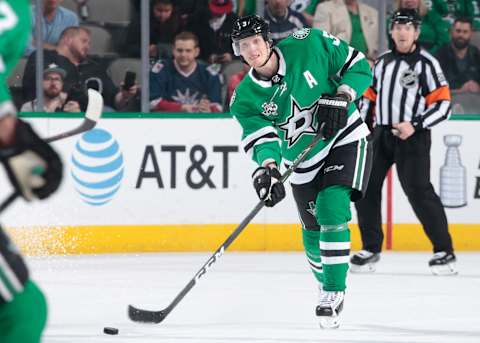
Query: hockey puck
column 110, row 331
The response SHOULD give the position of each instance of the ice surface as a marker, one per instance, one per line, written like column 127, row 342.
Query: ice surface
column 256, row 298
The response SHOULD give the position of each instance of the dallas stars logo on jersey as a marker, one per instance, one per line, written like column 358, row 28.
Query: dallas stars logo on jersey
column 301, row 121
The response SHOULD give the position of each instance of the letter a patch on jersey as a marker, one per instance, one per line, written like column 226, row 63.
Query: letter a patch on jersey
column 310, row 79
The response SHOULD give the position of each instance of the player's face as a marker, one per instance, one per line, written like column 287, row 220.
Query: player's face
column 254, row 50
column 162, row 12
column 52, row 85
column 80, row 45
column 404, row 36
column 185, row 52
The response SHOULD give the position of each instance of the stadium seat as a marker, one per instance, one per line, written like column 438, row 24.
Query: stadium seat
column 118, row 67
column 15, row 79
column 15, row 82
column 70, row 4
column 104, row 11
column 101, row 41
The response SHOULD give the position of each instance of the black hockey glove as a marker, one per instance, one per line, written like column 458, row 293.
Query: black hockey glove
column 265, row 181
column 33, row 167
column 332, row 112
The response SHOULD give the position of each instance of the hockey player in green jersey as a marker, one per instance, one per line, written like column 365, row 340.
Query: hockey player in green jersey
column 308, row 81
column 23, row 309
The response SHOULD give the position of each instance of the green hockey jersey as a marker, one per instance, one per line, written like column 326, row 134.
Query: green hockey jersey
column 278, row 117
column 14, row 32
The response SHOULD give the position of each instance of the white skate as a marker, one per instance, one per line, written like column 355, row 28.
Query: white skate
column 329, row 308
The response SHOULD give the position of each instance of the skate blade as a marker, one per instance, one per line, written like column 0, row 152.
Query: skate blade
column 329, row 323
column 365, row 269
column 446, row 270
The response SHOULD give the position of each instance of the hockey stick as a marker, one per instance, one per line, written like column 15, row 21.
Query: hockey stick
column 146, row 316
column 92, row 115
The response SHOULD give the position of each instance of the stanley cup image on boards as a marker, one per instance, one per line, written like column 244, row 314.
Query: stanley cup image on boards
column 453, row 175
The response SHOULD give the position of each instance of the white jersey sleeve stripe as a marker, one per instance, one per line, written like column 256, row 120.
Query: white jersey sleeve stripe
column 258, row 134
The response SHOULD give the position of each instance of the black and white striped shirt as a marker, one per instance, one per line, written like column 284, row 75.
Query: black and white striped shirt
column 407, row 87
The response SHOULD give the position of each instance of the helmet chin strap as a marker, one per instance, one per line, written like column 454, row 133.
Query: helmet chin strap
column 269, row 55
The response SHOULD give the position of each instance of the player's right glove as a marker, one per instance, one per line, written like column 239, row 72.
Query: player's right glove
column 265, row 182
column 33, row 167
column 332, row 112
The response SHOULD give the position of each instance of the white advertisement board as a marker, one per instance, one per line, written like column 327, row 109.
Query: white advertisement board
column 192, row 171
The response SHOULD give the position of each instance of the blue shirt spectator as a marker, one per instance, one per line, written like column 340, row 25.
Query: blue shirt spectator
column 283, row 21
column 55, row 20
column 183, row 84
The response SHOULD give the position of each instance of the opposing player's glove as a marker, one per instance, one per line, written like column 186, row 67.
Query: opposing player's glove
column 332, row 112
column 265, row 182
column 33, row 167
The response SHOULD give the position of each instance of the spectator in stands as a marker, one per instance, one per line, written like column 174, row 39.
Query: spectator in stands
column 55, row 19
column 352, row 21
column 165, row 23
column 183, row 84
column 282, row 20
column 306, row 7
column 213, row 28
column 55, row 99
column 71, row 55
column 189, row 9
column 434, row 31
column 460, row 60
column 451, row 9
column 246, row 7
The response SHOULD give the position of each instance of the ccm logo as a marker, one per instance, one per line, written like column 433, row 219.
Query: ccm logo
column 332, row 168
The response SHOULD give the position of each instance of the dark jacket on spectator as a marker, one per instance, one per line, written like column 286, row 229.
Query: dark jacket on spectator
column 449, row 62
column 284, row 27
column 213, row 42
column 89, row 73
column 159, row 33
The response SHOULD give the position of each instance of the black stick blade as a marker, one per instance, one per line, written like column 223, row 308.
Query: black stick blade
column 145, row 316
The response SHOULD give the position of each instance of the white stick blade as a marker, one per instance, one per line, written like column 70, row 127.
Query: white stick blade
column 95, row 105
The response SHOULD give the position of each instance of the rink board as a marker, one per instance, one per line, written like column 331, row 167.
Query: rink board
column 182, row 184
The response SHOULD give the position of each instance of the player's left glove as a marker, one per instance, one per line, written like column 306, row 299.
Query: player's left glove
column 33, row 167
column 332, row 112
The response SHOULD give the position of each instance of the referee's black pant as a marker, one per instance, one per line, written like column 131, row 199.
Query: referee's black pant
column 412, row 158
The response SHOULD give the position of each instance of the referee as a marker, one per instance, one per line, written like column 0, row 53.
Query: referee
column 408, row 96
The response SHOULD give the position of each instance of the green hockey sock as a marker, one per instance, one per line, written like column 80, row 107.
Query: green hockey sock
column 333, row 213
column 311, row 244
column 335, row 251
